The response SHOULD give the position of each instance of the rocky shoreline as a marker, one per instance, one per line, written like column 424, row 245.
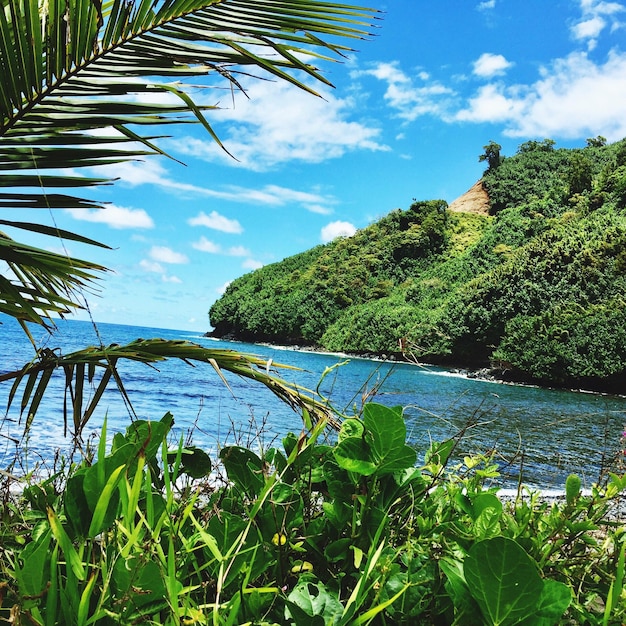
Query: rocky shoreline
column 495, row 374
column 616, row 513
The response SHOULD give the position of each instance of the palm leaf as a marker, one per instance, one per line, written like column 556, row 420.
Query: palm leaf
column 70, row 69
column 41, row 284
column 77, row 65
column 80, row 370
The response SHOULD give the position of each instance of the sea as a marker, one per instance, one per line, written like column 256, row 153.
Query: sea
column 537, row 436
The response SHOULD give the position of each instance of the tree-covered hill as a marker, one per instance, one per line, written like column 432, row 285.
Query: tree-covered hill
column 537, row 288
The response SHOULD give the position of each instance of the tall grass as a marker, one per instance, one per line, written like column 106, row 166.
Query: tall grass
column 357, row 531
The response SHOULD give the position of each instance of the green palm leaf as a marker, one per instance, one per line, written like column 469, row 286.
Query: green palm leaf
column 96, row 366
column 78, row 79
column 71, row 68
column 41, row 283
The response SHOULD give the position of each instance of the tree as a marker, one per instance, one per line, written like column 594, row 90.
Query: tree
column 596, row 142
column 547, row 145
column 78, row 88
column 579, row 174
column 491, row 155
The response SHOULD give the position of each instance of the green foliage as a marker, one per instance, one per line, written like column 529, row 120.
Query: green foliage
column 298, row 299
column 506, row 585
column 537, row 288
column 491, row 155
column 568, row 343
column 580, row 174
column 572, row 489
column 596, row 142
column 306, row 533
column 531, row 174
column 547, row 145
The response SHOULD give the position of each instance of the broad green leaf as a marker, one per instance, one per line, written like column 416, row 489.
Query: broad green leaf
column 196, row 463
column 554, row 600
column 140, row 577
column 484, row 501
column 487, row 523
column 351, row 427
column 486, row 512
column 388, row 438
column 244, row 468
column 75, row 504
column 439, row 452
column 313, row 604
column 338, row 550
column 504, row 581
column 31, row 575
column 149, row 436
column 353, row 454
column 467, row 611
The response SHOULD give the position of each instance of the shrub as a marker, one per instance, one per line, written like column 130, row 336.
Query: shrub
column 352, row 532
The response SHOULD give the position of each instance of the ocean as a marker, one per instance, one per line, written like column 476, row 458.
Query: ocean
column 544, row 433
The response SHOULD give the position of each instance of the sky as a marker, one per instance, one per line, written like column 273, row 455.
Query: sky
column 407, row 120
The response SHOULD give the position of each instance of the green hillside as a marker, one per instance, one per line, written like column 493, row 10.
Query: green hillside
column 537, row 288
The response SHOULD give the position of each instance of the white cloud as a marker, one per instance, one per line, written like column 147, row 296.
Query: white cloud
column 337, row 229
column 410, row 100
column 114, row 216
column 238, row 251
column 204, row 245
column 589, row 29
column 319, row 209
column 217, row 222
column 596, row 15
column 156, row 268
column 151, row 266
column 222, row 288
column 488, row 4
column 488, row 65
column 163, row 254
column 491, row 104
column 153, row 173
column 574, row 97
column 251, row 264
column 281, row 123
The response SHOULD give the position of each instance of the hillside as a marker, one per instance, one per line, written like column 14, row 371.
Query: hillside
column 525, row 273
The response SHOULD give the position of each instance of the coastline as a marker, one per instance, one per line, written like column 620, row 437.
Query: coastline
column 496, row 375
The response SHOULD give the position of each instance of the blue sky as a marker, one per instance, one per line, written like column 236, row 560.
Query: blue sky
column 408, row 118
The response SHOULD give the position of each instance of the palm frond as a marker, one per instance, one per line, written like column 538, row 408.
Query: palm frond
column 41, row 283
column 81, row 83
column 79, row 65
column 71, row 69
column 96, row 366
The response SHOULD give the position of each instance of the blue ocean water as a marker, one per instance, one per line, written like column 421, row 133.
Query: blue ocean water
column 544, row 433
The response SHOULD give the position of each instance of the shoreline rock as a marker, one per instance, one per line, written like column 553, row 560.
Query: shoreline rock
column 613, row 386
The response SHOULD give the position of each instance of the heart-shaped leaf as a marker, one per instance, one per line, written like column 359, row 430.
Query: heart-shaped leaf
column 504, row 581
column 387, row 430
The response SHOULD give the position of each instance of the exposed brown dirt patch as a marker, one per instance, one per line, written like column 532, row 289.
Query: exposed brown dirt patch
column 475, row 200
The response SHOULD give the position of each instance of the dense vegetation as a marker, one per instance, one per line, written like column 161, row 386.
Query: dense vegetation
column 361, row 529
column 536, row 287
column 308, row 533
